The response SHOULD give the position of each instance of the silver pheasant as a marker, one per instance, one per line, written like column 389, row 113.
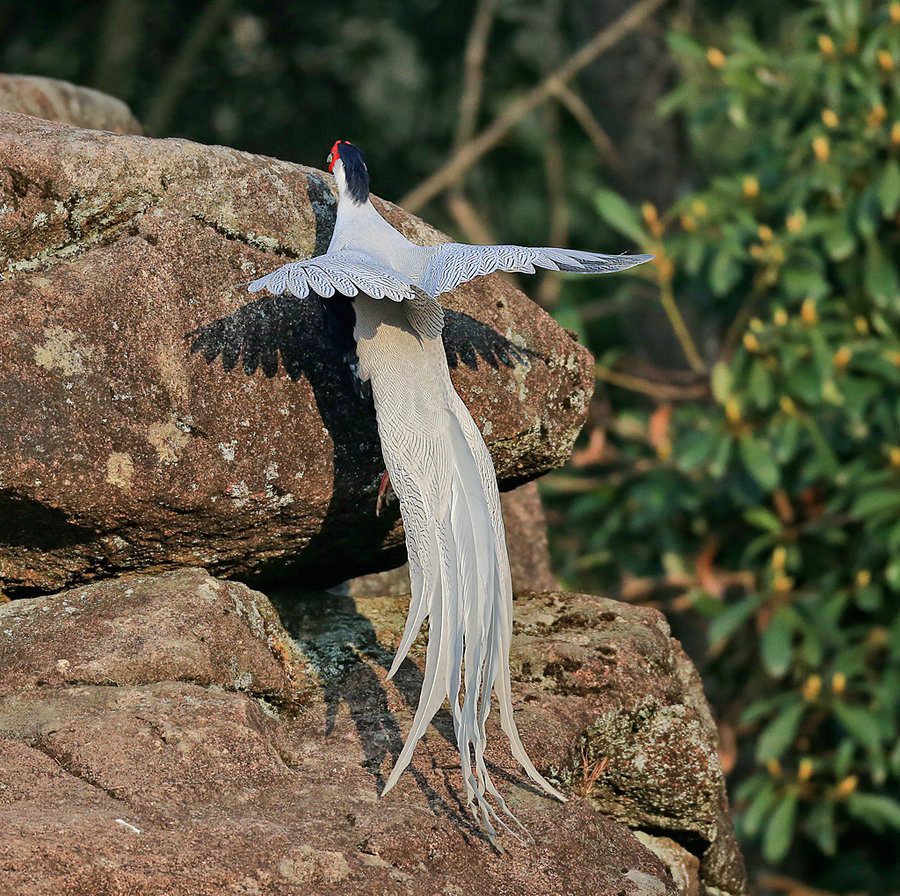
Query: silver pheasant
column 437, row 461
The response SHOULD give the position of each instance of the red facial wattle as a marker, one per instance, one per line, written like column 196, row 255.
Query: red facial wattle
column 333, row 156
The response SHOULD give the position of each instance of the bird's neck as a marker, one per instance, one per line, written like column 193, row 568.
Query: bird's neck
column 354, row 220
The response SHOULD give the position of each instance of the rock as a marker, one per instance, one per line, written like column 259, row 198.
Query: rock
column 67, row 103
column 526, row 542
column 121, row 452
column 649, row 753
column 165, row 734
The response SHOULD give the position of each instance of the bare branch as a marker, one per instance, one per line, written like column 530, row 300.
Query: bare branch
column 473, row 70
column 659, row 391
column 468, row 220
column 180, row 70
column 579, row 110
column 469, row 153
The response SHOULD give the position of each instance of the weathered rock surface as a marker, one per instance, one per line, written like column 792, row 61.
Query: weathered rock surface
column 68, row 103
column 120, row 452
column 165, row 735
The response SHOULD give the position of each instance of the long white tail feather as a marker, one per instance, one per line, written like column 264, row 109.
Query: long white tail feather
column 442, row 474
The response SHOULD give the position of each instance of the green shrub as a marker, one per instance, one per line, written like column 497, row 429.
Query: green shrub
column 780, row 493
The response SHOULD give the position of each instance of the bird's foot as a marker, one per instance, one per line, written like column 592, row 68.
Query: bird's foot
column 384, row 493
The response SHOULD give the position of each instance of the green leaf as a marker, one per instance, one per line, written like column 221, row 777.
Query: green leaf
column 720, row 456
column 720, row 382
column 775, row 645
column 805, row 282
column 880, row 276
column 859, row 723
column 875, row 807
column 763, row 518
column 889, row 189
column 779, row 734
column 760, row 383
column 730, row 620
column 757, row 458
column 682, row 44
column 876, row 504
column 724, row 272
column 758, row 810
column 820, row 826
column 840, row 243
column 620, row 215
column 828, row 462
column 780, row 829
column 692, row 449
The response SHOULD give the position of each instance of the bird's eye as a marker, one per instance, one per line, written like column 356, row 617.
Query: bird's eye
column 330, row 161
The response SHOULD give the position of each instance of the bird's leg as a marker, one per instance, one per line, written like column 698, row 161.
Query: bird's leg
column 384, row 489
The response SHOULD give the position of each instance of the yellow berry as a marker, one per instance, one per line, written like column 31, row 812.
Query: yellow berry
column 895, row 12
column 838, row 683
column 782, row 583
column 863, row 578
column 894, row 455
column 688, row 222
column 774, row 768
column 829, row 118
column 826, row 46
column 808, row 312
column 847, row 786
column 765, row 233
column 895, row 133
column 751, row 343
column 756, row 325
column 811, row 688
column 787, row 404
column 877, row 115
column 804, row 769
column 715, row 57
column 779, row 557
column 841, row 358
column 649, row 212
column 861, row 324
column 733, row 410
column 796, row 221
column 821, row 148
column 664, row 267
column 698, row 207
column 885, row 60
column 750, row 187
column 780, row 317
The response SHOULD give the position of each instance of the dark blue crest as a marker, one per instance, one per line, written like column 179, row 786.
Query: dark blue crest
column 355, row 171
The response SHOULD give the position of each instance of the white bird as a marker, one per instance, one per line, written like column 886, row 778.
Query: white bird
column 438, row 463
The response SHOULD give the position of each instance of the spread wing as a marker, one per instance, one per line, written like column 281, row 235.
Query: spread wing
column 344, row 271
column 455, row 263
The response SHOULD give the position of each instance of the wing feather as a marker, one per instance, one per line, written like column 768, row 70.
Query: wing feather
column 345, row 271
column 455, row 263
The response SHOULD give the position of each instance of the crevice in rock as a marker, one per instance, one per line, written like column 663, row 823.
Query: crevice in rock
column 266, row 244
column 73, row 771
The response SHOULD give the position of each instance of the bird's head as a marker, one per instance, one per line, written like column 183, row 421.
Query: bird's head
column 346, row 163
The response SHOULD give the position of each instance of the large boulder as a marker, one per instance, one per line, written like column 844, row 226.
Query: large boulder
column 69, row 103
column 120, row 451
column 166, row 734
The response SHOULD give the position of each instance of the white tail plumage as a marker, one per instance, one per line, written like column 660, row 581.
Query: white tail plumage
column 459, row 571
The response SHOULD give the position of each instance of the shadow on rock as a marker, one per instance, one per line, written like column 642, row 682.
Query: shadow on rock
column 312, row 337
column 343, row 646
